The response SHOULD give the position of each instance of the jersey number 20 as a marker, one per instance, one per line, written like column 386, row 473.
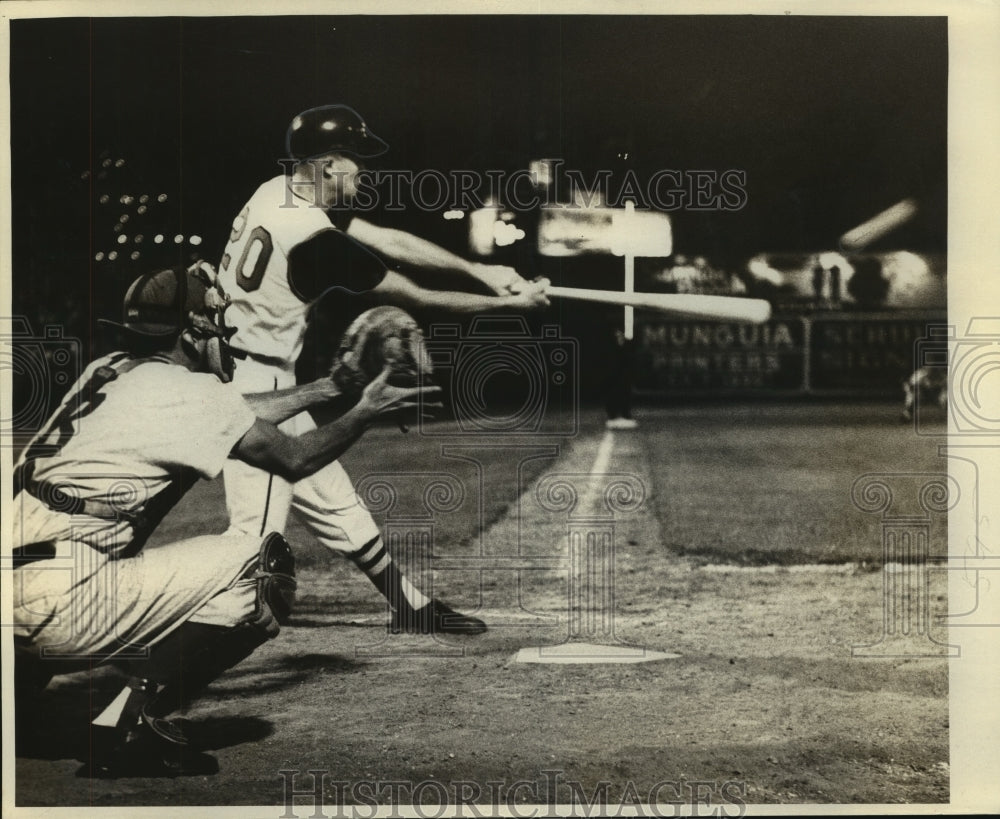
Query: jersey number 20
column 258, row 248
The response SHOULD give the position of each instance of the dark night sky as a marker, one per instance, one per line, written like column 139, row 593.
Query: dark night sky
column 833, row 119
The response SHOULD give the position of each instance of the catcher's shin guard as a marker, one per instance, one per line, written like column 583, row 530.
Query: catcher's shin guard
column 204, row 651
column 276, row 584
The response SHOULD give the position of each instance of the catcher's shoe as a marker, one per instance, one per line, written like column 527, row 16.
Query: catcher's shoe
column 154, row 748
column 435, row 618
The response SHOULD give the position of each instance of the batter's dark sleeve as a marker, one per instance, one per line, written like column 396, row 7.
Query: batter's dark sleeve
column 332, row 259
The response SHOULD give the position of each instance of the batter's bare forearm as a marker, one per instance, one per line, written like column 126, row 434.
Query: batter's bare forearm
column 421, row 259
column 416, row 255
column 400, row 291
column 420, row 254
column 450, row 301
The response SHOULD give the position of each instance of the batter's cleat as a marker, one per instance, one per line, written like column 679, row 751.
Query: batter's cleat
column 435, row 618
column 147, row 751
column 170, row 731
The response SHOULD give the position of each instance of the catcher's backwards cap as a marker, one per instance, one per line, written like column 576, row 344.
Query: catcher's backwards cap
column 328, row 129
column 164, row 303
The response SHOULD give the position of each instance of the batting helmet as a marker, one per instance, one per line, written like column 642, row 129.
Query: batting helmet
column 329, row 129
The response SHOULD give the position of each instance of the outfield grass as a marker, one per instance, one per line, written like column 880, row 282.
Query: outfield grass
column 771, row 483
column 751, row 484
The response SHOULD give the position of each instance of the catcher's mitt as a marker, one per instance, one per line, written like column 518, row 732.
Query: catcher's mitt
column 380, row 337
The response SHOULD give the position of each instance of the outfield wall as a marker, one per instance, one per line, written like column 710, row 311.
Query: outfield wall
column 823, row 354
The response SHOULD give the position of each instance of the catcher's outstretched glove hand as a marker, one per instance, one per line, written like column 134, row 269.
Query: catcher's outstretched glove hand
column 382, row 338
column 381, row 396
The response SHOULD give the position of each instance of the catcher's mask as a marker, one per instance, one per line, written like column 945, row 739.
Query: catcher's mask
column 182, row 300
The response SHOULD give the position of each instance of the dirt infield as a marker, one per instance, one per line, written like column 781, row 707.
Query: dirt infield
column 734, row 543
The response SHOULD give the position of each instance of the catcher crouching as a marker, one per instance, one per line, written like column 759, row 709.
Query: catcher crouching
column 137, row 430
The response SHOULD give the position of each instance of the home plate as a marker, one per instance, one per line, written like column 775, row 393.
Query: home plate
column 589, row 653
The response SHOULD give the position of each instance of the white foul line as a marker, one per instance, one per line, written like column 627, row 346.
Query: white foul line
column 599, row 468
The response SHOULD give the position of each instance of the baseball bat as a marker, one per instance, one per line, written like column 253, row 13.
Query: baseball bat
column 866, row 233
column 722, row 308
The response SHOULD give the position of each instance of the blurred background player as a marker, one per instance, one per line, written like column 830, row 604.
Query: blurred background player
column 618, row 383
column 621, row 352
column 132, row 435
column 924, row 386
column 295, row 240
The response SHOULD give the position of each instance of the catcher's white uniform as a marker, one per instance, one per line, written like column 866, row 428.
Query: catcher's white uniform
column 128, row 440
column 283, row 254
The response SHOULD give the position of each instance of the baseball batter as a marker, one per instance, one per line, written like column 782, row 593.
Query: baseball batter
column 927, row 384
column 289, row 245
column 132, row 435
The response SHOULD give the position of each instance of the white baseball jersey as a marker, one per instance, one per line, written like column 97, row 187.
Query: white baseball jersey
column 273, row 234
column 120, row 451
column 282, row 255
